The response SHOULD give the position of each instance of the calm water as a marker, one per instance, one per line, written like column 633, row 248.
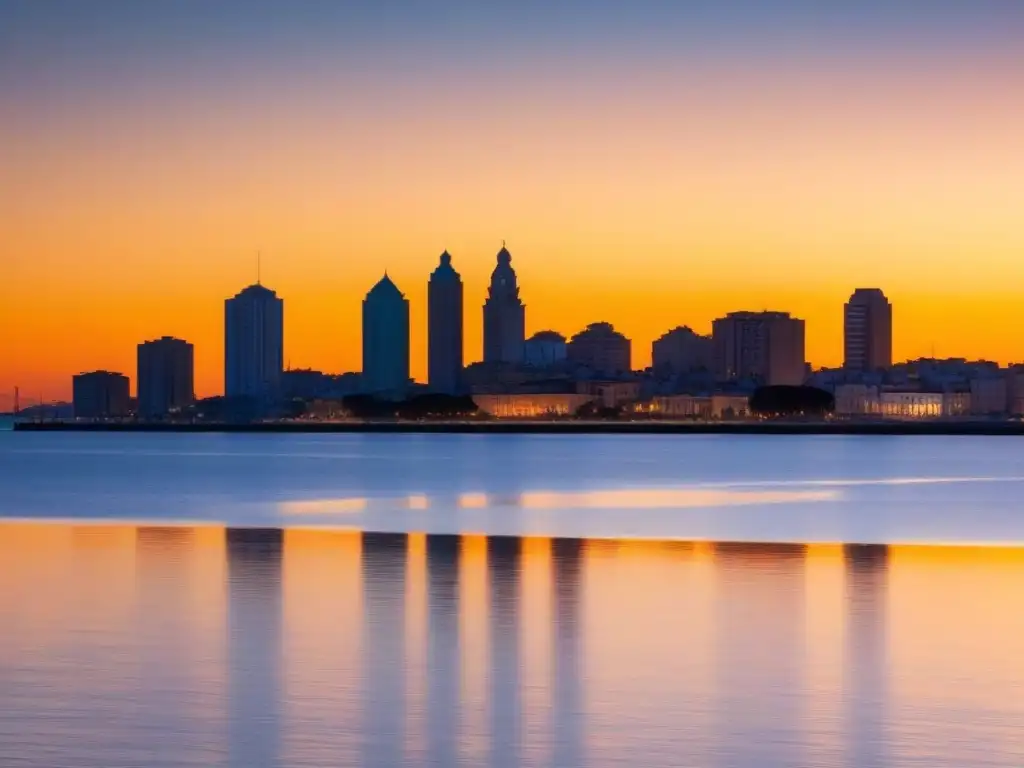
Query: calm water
column 270, row 631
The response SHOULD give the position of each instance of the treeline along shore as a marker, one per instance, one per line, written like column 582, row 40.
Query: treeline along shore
column 567, row 427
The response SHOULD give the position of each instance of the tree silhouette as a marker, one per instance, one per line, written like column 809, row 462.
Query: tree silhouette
column 784, row 400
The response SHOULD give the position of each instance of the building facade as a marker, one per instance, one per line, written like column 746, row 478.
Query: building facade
column 504, row 315
column 444, row 328
column 767, row 347
column 681, row 350
column 601, row 348
column 386, row 341
column 863, row 400
column 544, row 349
column 253, row 343
column 531, row 406
column 164, row 377
column 867, row 331
column 100, row 395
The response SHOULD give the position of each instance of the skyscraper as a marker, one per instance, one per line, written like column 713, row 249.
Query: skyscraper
column 867, row 331
column 444, row 328
column 767, row 347
column 164, row 377
column 386, row 341
column 253, row 343
column 504, row 315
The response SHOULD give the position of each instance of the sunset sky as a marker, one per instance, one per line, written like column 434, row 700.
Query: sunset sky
column 649, row 162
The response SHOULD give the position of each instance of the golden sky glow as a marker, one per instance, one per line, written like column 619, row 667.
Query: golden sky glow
column 647, row 194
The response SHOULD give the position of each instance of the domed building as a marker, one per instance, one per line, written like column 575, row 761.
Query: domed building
column 386, row 341
column 504, row 314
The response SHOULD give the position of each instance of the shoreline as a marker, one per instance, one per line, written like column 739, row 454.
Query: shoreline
column 935, row 428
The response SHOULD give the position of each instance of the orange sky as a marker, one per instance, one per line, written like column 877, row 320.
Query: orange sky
column 643, row 196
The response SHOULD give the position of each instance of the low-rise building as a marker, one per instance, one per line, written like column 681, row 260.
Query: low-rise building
column 861, row 400
column 531, row 406
column 720, row 406
column 989, row 396
column 610, row 394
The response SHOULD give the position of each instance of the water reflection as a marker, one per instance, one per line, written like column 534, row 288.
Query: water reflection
column 261, row 647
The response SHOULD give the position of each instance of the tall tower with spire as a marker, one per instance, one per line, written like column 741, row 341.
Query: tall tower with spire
column 504, row 314
column 386, row 341
column 444, row 328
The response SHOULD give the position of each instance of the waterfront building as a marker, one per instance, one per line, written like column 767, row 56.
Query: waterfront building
column 164, row 377
column 1015, row 390
column 864, row 400
column 600, row 348
column 100, row 395
column 253, row 343
column 386, row 341
column 867, row 331
column 544, row 349
column 444, row 328
column 610, row 394
column 531, row 405
column 504, row 315
column 767, row 347
column 681, row 350
column 703, row 407
column 989, row 396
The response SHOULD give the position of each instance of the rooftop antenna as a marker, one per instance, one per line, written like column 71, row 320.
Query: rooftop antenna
column 259, row 267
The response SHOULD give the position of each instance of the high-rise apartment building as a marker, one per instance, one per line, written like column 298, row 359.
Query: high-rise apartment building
column 504, row 315
column 681, row 350
column 100, row 395
column 386, row 341
column 767, row 347
column 253, row 343
column 164, row 377
column 444, row 328
column 601, row 348
column 867, row 331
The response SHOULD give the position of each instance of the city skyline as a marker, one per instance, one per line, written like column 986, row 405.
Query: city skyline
column 263, row 332
column 651, row 165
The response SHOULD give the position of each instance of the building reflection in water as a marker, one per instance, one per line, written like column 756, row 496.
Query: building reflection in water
column 384, row 669
column 254, row 645
column 866, row 661
column 505, row 729
column 443, row 678
column 200, row 646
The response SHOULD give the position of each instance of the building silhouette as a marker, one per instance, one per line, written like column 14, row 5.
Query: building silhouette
column 253, row 343
column 444, row 328
column 100, row 395
column 867, row 331
column 766, row 347
column 386, row 341
column 164, row 377
column 600, row 348
column 544, row 349
column 504, row 315
column 681, row 350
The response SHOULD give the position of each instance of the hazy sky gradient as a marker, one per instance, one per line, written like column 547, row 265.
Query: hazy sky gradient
column 649, row 163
